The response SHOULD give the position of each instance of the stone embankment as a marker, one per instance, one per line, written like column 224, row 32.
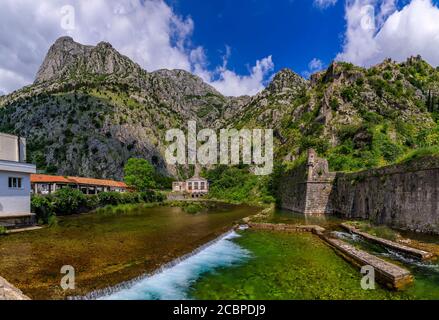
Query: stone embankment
column 388, row 274
column 415, row 253
column 9, row 292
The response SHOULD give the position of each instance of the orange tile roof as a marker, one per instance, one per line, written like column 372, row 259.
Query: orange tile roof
column 44, row 178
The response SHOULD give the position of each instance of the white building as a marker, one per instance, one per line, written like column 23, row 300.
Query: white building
column 15, row 188
column 195, row 187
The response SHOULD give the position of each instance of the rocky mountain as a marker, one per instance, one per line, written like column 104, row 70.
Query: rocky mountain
column 90, row 109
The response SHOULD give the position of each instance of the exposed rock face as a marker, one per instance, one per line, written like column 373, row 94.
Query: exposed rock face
column 286, row 82
column 68, row 58
column 91, row 109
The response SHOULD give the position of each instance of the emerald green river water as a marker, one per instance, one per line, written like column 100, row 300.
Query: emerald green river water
column 249, row 264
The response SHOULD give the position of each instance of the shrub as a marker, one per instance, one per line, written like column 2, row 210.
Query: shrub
column 43, row 207
column 193, row 208
column 2, row 230
column 52, row 221
column 91, row 202
column 69, row 201
column 109, row 198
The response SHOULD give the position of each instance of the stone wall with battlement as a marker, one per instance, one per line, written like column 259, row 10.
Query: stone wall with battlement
column 404, row 196
column 307, row 188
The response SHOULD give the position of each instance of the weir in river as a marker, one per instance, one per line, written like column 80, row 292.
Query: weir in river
column 172, row 280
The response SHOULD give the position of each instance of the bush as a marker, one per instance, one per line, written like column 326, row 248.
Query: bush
column 52, row 221
column 109, row 198
column 193, row 208
column 69, row 201
column 3, row 230
column 43, row 207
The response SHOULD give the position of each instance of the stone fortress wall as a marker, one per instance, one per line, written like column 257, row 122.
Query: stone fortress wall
column 404, row 196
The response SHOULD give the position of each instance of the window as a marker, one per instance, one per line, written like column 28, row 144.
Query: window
column 14, row 183
column 196, row 185
column 189, row 185
column 203, row 187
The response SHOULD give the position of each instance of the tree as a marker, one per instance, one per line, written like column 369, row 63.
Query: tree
column 139, row 174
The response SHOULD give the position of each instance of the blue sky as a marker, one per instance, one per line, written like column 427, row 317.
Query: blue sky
column 236, row 46
column 293, row 31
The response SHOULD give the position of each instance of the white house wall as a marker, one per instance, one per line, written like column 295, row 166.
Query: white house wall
column 14, row 201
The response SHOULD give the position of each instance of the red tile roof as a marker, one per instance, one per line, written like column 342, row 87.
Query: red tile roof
column 44, row 178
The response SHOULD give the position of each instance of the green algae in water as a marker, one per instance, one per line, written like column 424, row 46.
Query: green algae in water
column 287, row 266
column 106, row 249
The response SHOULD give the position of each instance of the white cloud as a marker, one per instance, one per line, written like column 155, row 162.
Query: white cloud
column 229, row 82
column 149, row 32
column 397, row 34
column 324, row 3
column 232, row 84
column 313, row 66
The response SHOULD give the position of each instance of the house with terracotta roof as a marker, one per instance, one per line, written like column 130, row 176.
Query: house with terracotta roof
column 48, row 184
column 15, row 208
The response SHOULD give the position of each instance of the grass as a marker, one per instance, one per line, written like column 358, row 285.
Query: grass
column 3, row 230
column 379, row 231
column 419, row 154
column 130, row 209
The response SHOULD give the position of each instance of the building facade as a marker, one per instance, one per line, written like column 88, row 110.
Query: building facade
column 48, row 184
column 194, row 187
column 15, row 187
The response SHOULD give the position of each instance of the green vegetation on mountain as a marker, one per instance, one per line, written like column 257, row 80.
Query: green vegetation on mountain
column 91, row 109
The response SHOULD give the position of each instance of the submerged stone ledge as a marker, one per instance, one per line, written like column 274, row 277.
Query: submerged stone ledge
column 416, row 253
column 286, row 227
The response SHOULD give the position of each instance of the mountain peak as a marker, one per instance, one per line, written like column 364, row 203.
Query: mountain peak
column 286, row 80
column 67, row 58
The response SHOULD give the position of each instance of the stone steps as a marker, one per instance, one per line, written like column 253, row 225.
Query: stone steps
column 415, row 253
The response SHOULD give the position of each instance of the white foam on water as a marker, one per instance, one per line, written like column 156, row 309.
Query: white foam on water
column 174, row 282
column 346, row 235
column 405, row 259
